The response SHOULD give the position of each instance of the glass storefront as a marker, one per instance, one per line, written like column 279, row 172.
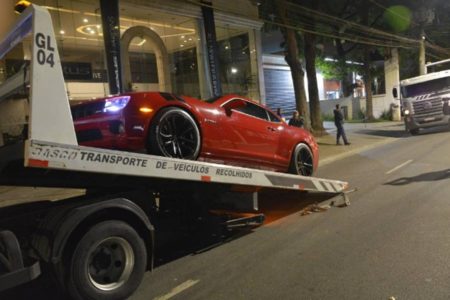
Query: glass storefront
column 78, row 29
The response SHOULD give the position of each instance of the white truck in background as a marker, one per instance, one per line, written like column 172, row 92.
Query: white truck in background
column 425, row 99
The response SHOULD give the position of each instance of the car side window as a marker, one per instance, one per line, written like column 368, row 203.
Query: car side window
column 273, row 117
column 254, row 110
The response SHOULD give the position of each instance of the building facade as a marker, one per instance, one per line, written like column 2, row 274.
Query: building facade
column 163, row 47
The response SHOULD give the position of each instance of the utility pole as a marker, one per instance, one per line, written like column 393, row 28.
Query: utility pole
column 422, row 70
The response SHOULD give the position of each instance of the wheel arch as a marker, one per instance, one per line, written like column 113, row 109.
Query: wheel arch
column 78, row 220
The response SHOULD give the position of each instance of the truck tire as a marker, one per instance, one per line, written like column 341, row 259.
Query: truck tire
column 109, row 262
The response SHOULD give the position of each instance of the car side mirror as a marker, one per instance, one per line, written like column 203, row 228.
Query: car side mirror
column 234, row 104
column 395, row 93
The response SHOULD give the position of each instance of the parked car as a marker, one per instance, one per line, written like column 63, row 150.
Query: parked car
column 228, row 129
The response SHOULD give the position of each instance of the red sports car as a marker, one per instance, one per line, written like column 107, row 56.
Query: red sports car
column 228, row 130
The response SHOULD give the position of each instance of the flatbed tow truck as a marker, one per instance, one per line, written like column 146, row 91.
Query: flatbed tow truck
column 97, row 245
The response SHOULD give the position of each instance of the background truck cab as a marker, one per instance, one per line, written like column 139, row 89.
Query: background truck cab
column 425, row 100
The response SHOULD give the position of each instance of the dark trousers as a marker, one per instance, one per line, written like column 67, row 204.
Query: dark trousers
column 340, row 132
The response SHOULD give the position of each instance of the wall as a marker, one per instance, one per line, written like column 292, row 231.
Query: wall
column 349, row 105
column 86, row 90
column 283, row 91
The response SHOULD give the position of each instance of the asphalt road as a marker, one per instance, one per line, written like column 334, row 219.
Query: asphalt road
column 392, row 241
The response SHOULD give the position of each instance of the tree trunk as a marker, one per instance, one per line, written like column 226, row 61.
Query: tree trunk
column 368, row 83
column 314, row 100
column 367, row 71
column 292, row 59
column 342, row 65
column 298, row 75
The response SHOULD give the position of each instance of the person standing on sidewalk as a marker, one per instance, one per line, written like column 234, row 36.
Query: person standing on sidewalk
column 339, row 122
column 296, row 120
column 280, row 114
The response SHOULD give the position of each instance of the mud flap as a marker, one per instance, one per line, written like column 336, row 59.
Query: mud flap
column 13, row 272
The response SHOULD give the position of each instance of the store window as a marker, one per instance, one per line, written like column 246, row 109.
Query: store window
column 234, row 60
column 78, row 28
column 185, row 72
column 179, row 39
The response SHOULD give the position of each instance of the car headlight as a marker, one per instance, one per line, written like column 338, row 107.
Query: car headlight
column 406, row 112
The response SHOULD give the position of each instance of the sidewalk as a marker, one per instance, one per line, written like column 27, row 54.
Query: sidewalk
column 362, row 136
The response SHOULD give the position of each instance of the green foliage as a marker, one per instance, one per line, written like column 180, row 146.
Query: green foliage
column 361, row 114
column 386, row 115
column 332, row 69
column 328, row 69
column 408, row 60
column 327, row 117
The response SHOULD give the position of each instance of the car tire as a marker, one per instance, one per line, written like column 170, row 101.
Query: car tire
column 108, row 263
column 302, row 161
column 174, row 133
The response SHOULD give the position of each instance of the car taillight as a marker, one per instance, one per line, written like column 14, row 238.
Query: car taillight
column 116, row 103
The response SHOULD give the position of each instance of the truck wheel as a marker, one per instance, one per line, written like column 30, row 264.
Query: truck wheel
column 109, row 262
column 174, row 133
column 302, row 161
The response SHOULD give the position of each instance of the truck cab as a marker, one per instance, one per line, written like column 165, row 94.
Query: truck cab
column 425, row 100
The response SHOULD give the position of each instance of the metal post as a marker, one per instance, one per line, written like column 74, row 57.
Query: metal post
column 111, row 38
column 211, row 44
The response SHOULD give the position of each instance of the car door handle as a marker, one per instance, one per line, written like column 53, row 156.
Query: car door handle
column 271, row 128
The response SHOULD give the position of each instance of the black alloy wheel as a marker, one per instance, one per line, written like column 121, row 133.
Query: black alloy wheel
column 302, row 161
column 174, row 133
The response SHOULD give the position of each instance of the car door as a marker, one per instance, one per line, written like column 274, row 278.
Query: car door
column 250, row 136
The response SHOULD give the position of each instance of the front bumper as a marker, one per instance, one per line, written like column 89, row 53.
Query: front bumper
column 412, row 123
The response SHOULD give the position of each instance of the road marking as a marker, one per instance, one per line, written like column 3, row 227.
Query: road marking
column 178, row 289
column 399, row 166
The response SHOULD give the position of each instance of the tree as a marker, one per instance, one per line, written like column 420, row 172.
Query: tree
column 292, row 57
column 367, row 66
column 278, row 13
column 309, row 46
column 343, row 49
column 367, row 14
